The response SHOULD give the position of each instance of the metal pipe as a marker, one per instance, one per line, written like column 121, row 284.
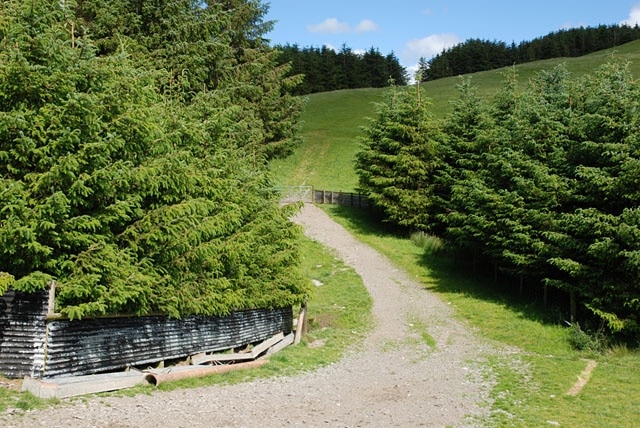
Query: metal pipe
column 195, row 372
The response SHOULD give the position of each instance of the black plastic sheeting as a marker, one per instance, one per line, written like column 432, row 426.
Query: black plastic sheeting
column 31, row 345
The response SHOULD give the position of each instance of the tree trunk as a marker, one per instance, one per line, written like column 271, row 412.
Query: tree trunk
column 475, row 261
column 572, row 305
column 521, row 285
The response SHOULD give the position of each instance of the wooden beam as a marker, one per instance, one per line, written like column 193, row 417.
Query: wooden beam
column 73, row 386
column 238, row 356
column 186, row 372
column 288, row 340
column 300, row 325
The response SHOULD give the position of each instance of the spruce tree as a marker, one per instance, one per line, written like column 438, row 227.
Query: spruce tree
column 128, row 195
column 398, row 157
column 210, row 46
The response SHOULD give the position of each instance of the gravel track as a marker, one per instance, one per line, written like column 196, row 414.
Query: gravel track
column 393, row 380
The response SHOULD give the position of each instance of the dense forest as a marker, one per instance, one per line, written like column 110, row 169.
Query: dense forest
column 134, row 143
column 541, row 181
column 479, row 55
column 324, row 69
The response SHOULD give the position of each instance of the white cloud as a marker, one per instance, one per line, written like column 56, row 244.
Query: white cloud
column 366, row 26
column 425, row 48
column 427, row 12
column 333, row 26
column 411, row 71
column 428, row 46
column 634, row 17
column 330, row 25
column 330, row 46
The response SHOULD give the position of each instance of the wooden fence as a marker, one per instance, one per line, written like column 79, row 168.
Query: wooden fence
column 308, row 194
column 340, row 198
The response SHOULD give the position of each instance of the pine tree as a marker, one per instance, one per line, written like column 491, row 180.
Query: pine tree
column 210, row 46
column 398, row 157
column 127, row 195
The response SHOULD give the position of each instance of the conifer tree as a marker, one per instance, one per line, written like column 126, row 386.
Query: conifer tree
column 594, row 239
column 124, row 193
column 462, row 163
column 210, row 46
column 398, row 157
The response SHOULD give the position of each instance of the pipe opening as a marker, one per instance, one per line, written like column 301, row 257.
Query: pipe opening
column 151, row 379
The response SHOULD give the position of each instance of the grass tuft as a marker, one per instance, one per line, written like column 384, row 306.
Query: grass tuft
column 431, row 244
column 581, row 340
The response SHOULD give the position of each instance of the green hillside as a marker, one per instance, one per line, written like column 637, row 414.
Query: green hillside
column 332, row 120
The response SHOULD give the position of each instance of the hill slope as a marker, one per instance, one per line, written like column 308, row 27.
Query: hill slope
column 332, row 120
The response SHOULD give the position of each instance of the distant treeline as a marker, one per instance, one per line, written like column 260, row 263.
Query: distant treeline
column 479, row 55
column 324, row 69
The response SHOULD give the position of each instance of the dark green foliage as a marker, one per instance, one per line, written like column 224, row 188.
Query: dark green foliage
column 327, row 70
column 208, row 46
column 543, row 198
column 397, row 160
column 479, row 55
column 133, row 198
column 581, row 340
column 542, row 181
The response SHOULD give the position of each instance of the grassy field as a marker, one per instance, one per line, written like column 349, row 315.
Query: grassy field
column 333, row 120
column 533, row 381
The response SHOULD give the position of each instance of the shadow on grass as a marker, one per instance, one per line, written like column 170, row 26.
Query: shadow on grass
column 364, row 221
column 454, row 273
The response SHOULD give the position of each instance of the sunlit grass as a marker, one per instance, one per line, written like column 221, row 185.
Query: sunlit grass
column 330, row 131
column 12, row 398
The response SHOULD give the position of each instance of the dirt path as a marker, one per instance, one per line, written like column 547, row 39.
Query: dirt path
column 396, row 380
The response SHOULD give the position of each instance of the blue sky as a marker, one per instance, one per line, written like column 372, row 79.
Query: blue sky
column 422, row 28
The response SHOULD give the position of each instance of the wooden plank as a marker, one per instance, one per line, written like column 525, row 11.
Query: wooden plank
column 299, row 326
column 238, row 356
column 259, row 349
column 82, row 385
column 288, row 340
